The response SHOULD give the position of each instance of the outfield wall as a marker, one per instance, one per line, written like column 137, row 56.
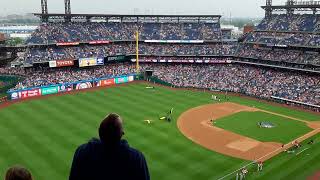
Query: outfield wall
column 67, row 87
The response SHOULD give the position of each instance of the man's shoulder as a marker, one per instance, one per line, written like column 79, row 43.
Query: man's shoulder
column 94, row 143
column 97, row 145
column 135, row 152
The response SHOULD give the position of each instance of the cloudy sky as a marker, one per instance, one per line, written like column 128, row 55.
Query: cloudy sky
column 237, row 8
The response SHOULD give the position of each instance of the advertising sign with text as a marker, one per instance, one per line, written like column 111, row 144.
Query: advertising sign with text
column 121, row 80
column 29, row 93
column 50, row 90
column 63, row 63
column 106, row 82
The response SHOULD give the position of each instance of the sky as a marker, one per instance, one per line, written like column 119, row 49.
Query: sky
column 235, row 8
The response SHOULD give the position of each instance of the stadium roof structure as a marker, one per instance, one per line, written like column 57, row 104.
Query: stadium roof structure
column 294, row 7
column 290, row 6
column 130, row 18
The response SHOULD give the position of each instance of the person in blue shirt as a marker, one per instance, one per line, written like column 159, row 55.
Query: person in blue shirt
column 109, row 157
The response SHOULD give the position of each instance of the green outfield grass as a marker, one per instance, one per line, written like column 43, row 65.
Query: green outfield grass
column 43, row 134
column 245, row 123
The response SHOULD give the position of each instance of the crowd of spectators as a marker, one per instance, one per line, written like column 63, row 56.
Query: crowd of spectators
column 289, row 30
column 292, row 56
column 250, row 80
column 46, row 76
column 253, row 81
column 284, row 38
column 12, row 71
column 290, row 22
column 169, row 59
column 83, row 51
column 51, row 33
column 280, row 30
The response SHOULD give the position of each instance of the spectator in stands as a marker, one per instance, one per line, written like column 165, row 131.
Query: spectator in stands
column 110, row 157
column 184, row 72
column 18, row 173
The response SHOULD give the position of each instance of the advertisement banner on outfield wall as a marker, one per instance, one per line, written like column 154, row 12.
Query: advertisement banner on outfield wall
column 131, row 78
column 14, row 95
column 29, row 93
column 106, row 82
column 65, row 87
column 83, row 85
column 49, row 90
column 121, row 80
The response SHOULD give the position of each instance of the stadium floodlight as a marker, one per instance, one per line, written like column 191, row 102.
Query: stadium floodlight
column 44, row 6
column 268, row 8
column 269, row 3
column 67, row 6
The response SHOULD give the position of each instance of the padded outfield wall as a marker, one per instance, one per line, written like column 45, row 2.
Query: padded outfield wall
column 67, row 87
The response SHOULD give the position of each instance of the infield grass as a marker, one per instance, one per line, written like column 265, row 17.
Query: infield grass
column 246, row 124
column 43, row 134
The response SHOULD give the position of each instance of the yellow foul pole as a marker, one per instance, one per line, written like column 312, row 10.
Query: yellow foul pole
column 137, row 52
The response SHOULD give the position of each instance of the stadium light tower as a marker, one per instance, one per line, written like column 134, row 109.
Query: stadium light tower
column 67, row 9
column 269, row 3
column 67, row 6
column 268, row 8
column 44, row 11
column 44, row 7
column 290, row 3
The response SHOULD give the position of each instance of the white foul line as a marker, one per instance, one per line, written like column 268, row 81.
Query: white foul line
column 301, row 151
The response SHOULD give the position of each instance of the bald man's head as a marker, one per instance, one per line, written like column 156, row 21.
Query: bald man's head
column 111, row 129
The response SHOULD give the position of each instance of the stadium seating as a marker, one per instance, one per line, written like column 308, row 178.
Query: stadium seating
column 76, row 52
column 284, row 38
column 294, row 22
column 292, row 56
column 51, row 33
column 280, row 39
column 253, row 81
column 250, row 80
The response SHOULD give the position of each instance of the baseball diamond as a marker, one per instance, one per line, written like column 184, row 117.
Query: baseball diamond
column 168, row 96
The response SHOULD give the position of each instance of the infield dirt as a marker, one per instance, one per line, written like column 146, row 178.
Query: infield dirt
column 196, row 124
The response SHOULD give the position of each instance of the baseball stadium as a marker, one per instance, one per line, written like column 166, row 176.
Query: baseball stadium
column 198, row 103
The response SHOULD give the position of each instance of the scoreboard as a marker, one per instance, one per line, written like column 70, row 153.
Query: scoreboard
column 94, row 61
